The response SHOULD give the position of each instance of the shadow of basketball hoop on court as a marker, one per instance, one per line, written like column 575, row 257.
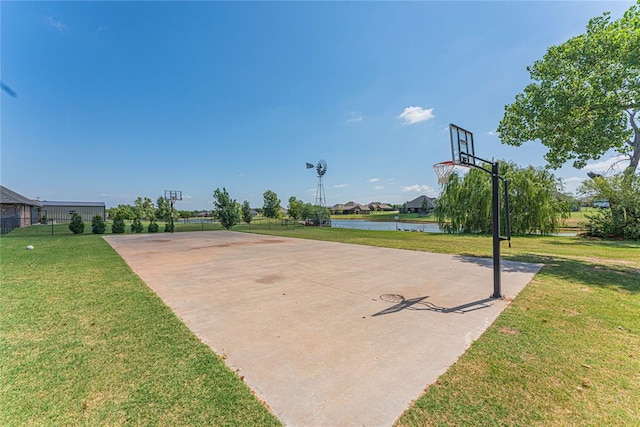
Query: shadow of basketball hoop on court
column 419, row 304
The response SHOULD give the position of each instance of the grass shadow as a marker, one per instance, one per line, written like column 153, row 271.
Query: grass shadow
column 574, row 270
column 623, row 244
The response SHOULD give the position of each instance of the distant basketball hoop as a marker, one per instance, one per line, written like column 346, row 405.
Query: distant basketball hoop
column 172, row 196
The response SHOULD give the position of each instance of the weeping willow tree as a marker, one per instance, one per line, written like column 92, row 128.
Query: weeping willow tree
column 537, row 204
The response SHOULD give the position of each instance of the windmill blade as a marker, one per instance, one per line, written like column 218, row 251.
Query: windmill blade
column 321, row 168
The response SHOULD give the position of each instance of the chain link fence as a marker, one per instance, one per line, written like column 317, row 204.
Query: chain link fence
column 11, row 226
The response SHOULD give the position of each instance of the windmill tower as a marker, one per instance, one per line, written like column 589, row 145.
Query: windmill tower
column 322, row 216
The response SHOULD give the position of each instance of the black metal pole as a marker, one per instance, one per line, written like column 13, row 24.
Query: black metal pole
column 495, row 183
column 172, row 224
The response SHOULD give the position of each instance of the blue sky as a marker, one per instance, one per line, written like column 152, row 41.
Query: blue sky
column 123, row 99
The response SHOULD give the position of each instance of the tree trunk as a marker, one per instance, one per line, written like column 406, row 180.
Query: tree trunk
column 635, row 156
column 635, row 144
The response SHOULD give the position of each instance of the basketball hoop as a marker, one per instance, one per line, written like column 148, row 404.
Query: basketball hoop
column 173, row 195
column 443, row 171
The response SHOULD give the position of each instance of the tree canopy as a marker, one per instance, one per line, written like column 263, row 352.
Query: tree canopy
column 536, row 204
column 294, row 210
column 271, row 208
column 585, row 97
column 226, row 209
column 144, row 208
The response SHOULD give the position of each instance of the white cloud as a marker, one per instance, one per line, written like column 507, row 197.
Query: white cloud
column 572, row 179
column 417, row 188
column 612, row 164
column 187, row 197
column 491, row 133
column 572, row 183
column 56, row 24
column 379, row 187
column 355, row 117
column 241, row 174
column 374, row 179
column 412, row 115
column 340, row 185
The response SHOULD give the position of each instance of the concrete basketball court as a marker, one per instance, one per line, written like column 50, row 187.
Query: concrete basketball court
column 326, row 334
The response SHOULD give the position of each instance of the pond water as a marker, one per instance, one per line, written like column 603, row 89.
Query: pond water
column 428, row 227
column 362, row 224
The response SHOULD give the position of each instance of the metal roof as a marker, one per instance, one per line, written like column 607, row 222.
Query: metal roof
column 11, row 197
column 52, row 203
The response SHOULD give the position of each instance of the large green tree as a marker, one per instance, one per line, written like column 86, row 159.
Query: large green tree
column 226, row 209
column 536, row 202
column 585, row 98
column 122, row 211
column 294, row 210
column 144, row 208
column 271, row 208
column 163, row 211
column 307, row 211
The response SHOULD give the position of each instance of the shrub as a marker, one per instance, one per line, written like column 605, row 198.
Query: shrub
column 136, row 226
column 246, row 212
column 621, row 220
column 153, row 227
column 227, row 210
column 98, row 226
column 118, row 225
column 76, row 225
column 168, row 227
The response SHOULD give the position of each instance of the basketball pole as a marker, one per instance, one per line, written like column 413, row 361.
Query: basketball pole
column 463, row 154
column 495, row 202
column 172, row 224
column 495, row 213
column 172, row 196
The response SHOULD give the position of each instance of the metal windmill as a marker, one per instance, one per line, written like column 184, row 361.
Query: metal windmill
column 321, row 200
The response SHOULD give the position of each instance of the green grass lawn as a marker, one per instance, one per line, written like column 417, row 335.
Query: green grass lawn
column 85, row 341
column 565, row 352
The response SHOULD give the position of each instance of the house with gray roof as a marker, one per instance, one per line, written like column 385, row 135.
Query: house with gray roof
column 421, row 204
column 380, row 207
column 349, row 208
column 17, row 210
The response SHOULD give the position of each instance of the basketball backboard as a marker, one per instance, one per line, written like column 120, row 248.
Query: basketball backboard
column 462, row 150
column 173, row 195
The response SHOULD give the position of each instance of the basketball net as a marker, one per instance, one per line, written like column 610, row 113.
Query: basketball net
column 443, row 171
